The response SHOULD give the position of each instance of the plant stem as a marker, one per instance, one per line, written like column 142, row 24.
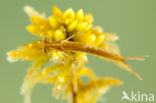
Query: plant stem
column 74, row 85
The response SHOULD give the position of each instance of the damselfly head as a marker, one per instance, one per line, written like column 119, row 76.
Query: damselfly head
column 45, row 45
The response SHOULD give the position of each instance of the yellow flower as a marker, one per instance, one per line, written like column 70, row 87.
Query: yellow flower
column 67, row 81
column 69, row 67
column 61, row 26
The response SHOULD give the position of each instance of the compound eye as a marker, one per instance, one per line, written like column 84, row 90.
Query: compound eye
column 45, row 44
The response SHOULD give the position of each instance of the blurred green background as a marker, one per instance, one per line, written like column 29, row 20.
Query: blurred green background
column 133, row 20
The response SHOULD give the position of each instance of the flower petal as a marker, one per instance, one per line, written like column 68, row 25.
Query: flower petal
column 32, row 12
column 31, row 51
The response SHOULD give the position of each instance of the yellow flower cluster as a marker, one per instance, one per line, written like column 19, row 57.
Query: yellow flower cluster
column 60, row 26
column 69, row 67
